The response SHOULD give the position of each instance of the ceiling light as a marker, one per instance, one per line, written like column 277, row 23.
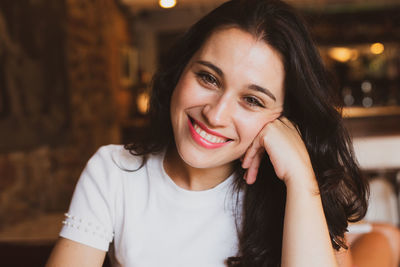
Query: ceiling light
column 167, row 3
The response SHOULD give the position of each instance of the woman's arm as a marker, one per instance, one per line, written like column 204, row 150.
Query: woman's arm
column 68, row 253
column 88, row 226
column 306, row 240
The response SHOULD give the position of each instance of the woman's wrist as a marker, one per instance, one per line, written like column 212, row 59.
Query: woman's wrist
column 302, row 181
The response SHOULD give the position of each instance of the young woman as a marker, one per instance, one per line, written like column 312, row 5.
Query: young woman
column 246, row 162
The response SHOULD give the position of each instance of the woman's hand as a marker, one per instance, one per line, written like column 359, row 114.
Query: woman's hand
column 285, row 148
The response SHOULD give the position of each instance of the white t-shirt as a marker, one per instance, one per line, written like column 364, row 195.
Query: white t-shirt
column 150, row 221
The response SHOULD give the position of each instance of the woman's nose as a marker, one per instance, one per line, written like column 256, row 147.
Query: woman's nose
column 219, row 111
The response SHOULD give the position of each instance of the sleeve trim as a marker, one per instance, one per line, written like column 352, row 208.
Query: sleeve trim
column 87, row 227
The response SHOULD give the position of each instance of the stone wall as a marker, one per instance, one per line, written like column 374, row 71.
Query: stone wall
column 39, row 178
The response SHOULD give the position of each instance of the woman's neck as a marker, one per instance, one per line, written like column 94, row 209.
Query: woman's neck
column 190, row 178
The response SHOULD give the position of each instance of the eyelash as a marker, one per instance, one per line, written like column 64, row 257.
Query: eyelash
column 212, row 80
column 253, row 102
column 208, row 78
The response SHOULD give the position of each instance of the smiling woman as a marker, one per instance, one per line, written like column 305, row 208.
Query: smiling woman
column 216, row 98
column 246, row 162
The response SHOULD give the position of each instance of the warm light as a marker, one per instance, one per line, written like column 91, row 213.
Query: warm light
column 343, row 54
column 167, row 3
column 143, row 101
column 377, row 48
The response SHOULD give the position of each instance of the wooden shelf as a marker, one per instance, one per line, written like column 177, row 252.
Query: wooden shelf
column 375, row 121
column 359, row 112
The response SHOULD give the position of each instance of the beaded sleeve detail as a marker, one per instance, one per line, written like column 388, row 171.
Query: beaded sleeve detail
column 87, row 227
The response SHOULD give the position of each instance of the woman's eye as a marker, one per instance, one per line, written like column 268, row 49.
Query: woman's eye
column 208, row 78
column 253, row 101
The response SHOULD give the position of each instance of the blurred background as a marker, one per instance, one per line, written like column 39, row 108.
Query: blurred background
column 75, row 75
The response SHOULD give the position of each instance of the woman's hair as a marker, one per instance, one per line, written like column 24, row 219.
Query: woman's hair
column 310, row 103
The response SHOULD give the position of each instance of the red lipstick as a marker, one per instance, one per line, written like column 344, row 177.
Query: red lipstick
column 202, row 141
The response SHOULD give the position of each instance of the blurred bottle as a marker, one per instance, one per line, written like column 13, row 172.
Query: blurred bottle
column 348, row 98
column 366, row 89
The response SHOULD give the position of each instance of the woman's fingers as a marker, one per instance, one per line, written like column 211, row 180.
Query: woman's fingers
column 252, row 160
column 252, row 171
column 282, row 142
column 251, row 153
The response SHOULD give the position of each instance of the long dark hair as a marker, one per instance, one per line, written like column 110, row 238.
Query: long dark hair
column 310, row 103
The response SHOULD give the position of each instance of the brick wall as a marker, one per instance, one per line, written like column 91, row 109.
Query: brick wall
column 40, row 178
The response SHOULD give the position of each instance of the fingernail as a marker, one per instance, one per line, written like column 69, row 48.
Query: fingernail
column 244, row 164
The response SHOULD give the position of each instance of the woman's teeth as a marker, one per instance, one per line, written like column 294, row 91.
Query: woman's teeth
column 209, row 137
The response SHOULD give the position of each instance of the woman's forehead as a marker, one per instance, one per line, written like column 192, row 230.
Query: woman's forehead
column 243, row 59
column 235, row 40
column 226, row 35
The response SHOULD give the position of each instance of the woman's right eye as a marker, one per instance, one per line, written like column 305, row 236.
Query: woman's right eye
column 208, row 78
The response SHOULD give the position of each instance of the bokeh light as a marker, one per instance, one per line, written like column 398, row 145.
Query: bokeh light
column 343, row 54
column 167, row 3
column 377, row 48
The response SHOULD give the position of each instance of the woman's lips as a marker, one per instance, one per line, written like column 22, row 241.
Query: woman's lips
column 204, row 128
column 206, row 137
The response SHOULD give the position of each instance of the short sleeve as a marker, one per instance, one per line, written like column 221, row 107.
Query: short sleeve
column 89, row 220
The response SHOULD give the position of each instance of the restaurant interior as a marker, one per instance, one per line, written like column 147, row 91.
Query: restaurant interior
column 76, row 75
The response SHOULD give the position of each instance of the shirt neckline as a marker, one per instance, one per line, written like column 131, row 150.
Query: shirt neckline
column 181, row 195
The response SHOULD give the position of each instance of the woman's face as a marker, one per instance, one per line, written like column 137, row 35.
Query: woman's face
column 229, row 90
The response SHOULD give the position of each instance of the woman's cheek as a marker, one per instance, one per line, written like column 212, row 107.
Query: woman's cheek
column 249, row 130
column 252, row 127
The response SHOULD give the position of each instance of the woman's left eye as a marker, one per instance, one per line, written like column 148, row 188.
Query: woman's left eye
column 208, row 78
column 253, row 101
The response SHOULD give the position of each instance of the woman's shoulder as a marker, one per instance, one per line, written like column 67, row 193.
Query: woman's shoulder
column 118, row 156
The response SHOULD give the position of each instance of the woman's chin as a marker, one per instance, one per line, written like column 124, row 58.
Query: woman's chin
column 203, row 161
column 198, row 162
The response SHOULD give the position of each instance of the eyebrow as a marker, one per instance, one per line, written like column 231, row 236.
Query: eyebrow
column 263, row 90
column 211, row 66
column 252, row 86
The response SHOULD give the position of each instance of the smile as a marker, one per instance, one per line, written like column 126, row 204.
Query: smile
column 205, row 137
column 209, row 137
